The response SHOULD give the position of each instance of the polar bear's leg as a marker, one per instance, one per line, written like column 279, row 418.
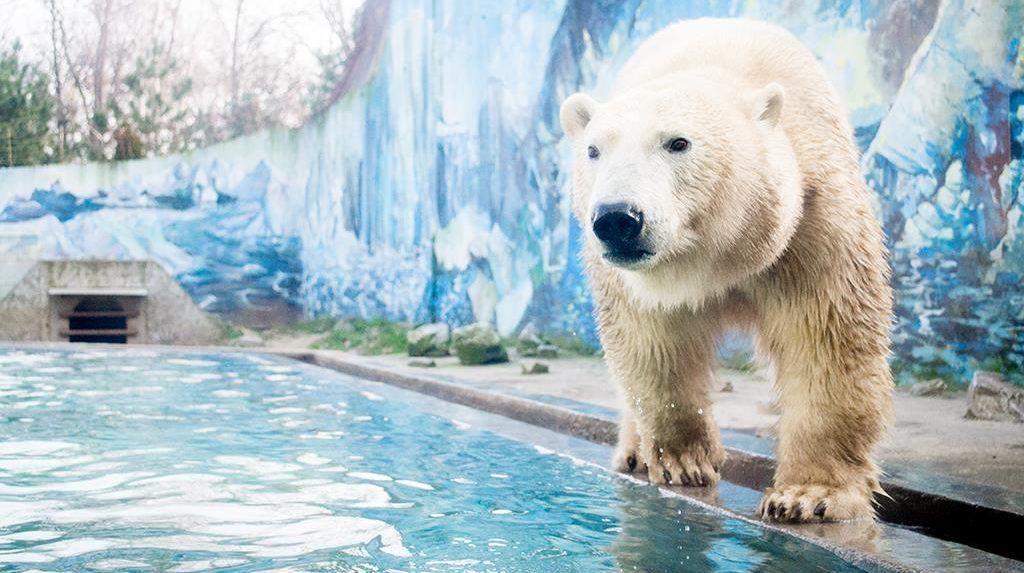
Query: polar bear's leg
column 663, row 365
column 834, row 388
column 625, row 458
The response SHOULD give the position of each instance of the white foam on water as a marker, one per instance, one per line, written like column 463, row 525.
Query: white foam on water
column 205, row 565
column 96, row 484
column 415, row 484
column 41, row 465
column 25, row 557
column 279, row 477
column 25, row 359
column 278, row 368
column 499, row 476
column 286, row 410
column 312, row 459
column 35, row 447
column 315, row 534
column 136, row 452
column 463, row 481
column 372, row 397
column 75, row 547
column 186, row 515
column 200, row 378
column 142, row 389
column 461, row 425
column 362, row 418
column 501, row 511
column 311, row 481
column 88, row 355
column 36, row 535
column 115, row 564
column 191, row 362
column 322, row 435
column 362, row 495
column 230, row 394
column 54, row 369
column 207, row 430
column 455, row 562
column 280, row 378
column 278, row 399
column 333, row 469
column 290, row 422
column 370, row 476
column 256, row 465
column 191, row 487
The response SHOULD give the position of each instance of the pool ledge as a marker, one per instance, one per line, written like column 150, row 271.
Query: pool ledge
column 941, row 524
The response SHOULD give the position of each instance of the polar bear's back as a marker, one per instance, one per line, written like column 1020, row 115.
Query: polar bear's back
column 757, row 53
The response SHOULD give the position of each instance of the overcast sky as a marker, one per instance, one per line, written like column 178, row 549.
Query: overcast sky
column 200, row 20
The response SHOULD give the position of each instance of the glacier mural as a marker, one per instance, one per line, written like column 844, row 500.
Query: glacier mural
column 435, row 188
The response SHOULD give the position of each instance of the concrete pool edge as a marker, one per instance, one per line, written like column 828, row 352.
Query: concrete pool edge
column 946, row 520
column 888, row 548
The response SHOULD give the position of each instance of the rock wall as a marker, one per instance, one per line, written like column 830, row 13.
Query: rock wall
column 435, row 189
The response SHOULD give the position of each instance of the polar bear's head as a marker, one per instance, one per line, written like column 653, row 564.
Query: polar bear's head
column 686, row 185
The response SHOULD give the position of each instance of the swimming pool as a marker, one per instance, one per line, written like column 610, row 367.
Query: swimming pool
column 137, row 459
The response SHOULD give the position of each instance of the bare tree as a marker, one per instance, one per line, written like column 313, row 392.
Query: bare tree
column 58, row 82
column 124, row 65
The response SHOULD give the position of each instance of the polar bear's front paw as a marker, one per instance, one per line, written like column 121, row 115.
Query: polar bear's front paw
column 815, row 503
column 626, row 461
column 696, row 466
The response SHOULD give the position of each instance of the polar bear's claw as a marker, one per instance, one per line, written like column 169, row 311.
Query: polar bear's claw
column 815, row 503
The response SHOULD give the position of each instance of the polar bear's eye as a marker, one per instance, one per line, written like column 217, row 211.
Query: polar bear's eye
column 592, row 152
column 678, row 145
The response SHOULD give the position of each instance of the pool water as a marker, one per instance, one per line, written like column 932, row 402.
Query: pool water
column 142, row 460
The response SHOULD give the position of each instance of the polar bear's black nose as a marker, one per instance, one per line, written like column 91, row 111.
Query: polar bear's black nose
column 618, row 225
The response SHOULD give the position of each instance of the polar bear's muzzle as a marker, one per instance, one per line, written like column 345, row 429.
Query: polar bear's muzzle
column 619, row 227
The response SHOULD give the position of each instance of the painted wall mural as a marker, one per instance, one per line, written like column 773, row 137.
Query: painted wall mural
column 435, row 189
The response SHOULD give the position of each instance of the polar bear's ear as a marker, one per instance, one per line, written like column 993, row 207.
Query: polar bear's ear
column 576, row 112
column 766, row 104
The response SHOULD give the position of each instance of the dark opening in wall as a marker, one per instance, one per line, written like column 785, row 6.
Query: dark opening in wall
column 98, row 319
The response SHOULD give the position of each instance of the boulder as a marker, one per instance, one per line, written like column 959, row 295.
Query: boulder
column 990, row 397
column 528, row 341
column 534, row 367
column 933, row 387
column 478, row 344
column 547, row 351
column 429, row 340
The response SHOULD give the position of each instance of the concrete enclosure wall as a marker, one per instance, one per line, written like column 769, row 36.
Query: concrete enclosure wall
column 435, row 189
column 164, row 315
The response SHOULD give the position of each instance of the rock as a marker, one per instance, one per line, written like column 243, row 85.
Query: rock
column 422, row 363
column 534, row 367
column 547, row 351
column 478, row 344
column 249, row 339
column 990, row 397
column 429, row 340
column 933, row 387
column 528, row 341
column 726, row 387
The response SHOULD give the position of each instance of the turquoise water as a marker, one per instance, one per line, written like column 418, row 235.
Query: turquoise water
column 140, row 460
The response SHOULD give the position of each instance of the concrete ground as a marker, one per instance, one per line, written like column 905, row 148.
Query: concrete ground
column 928, row 433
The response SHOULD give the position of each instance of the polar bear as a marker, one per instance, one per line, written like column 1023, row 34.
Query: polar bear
column 719, row 187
